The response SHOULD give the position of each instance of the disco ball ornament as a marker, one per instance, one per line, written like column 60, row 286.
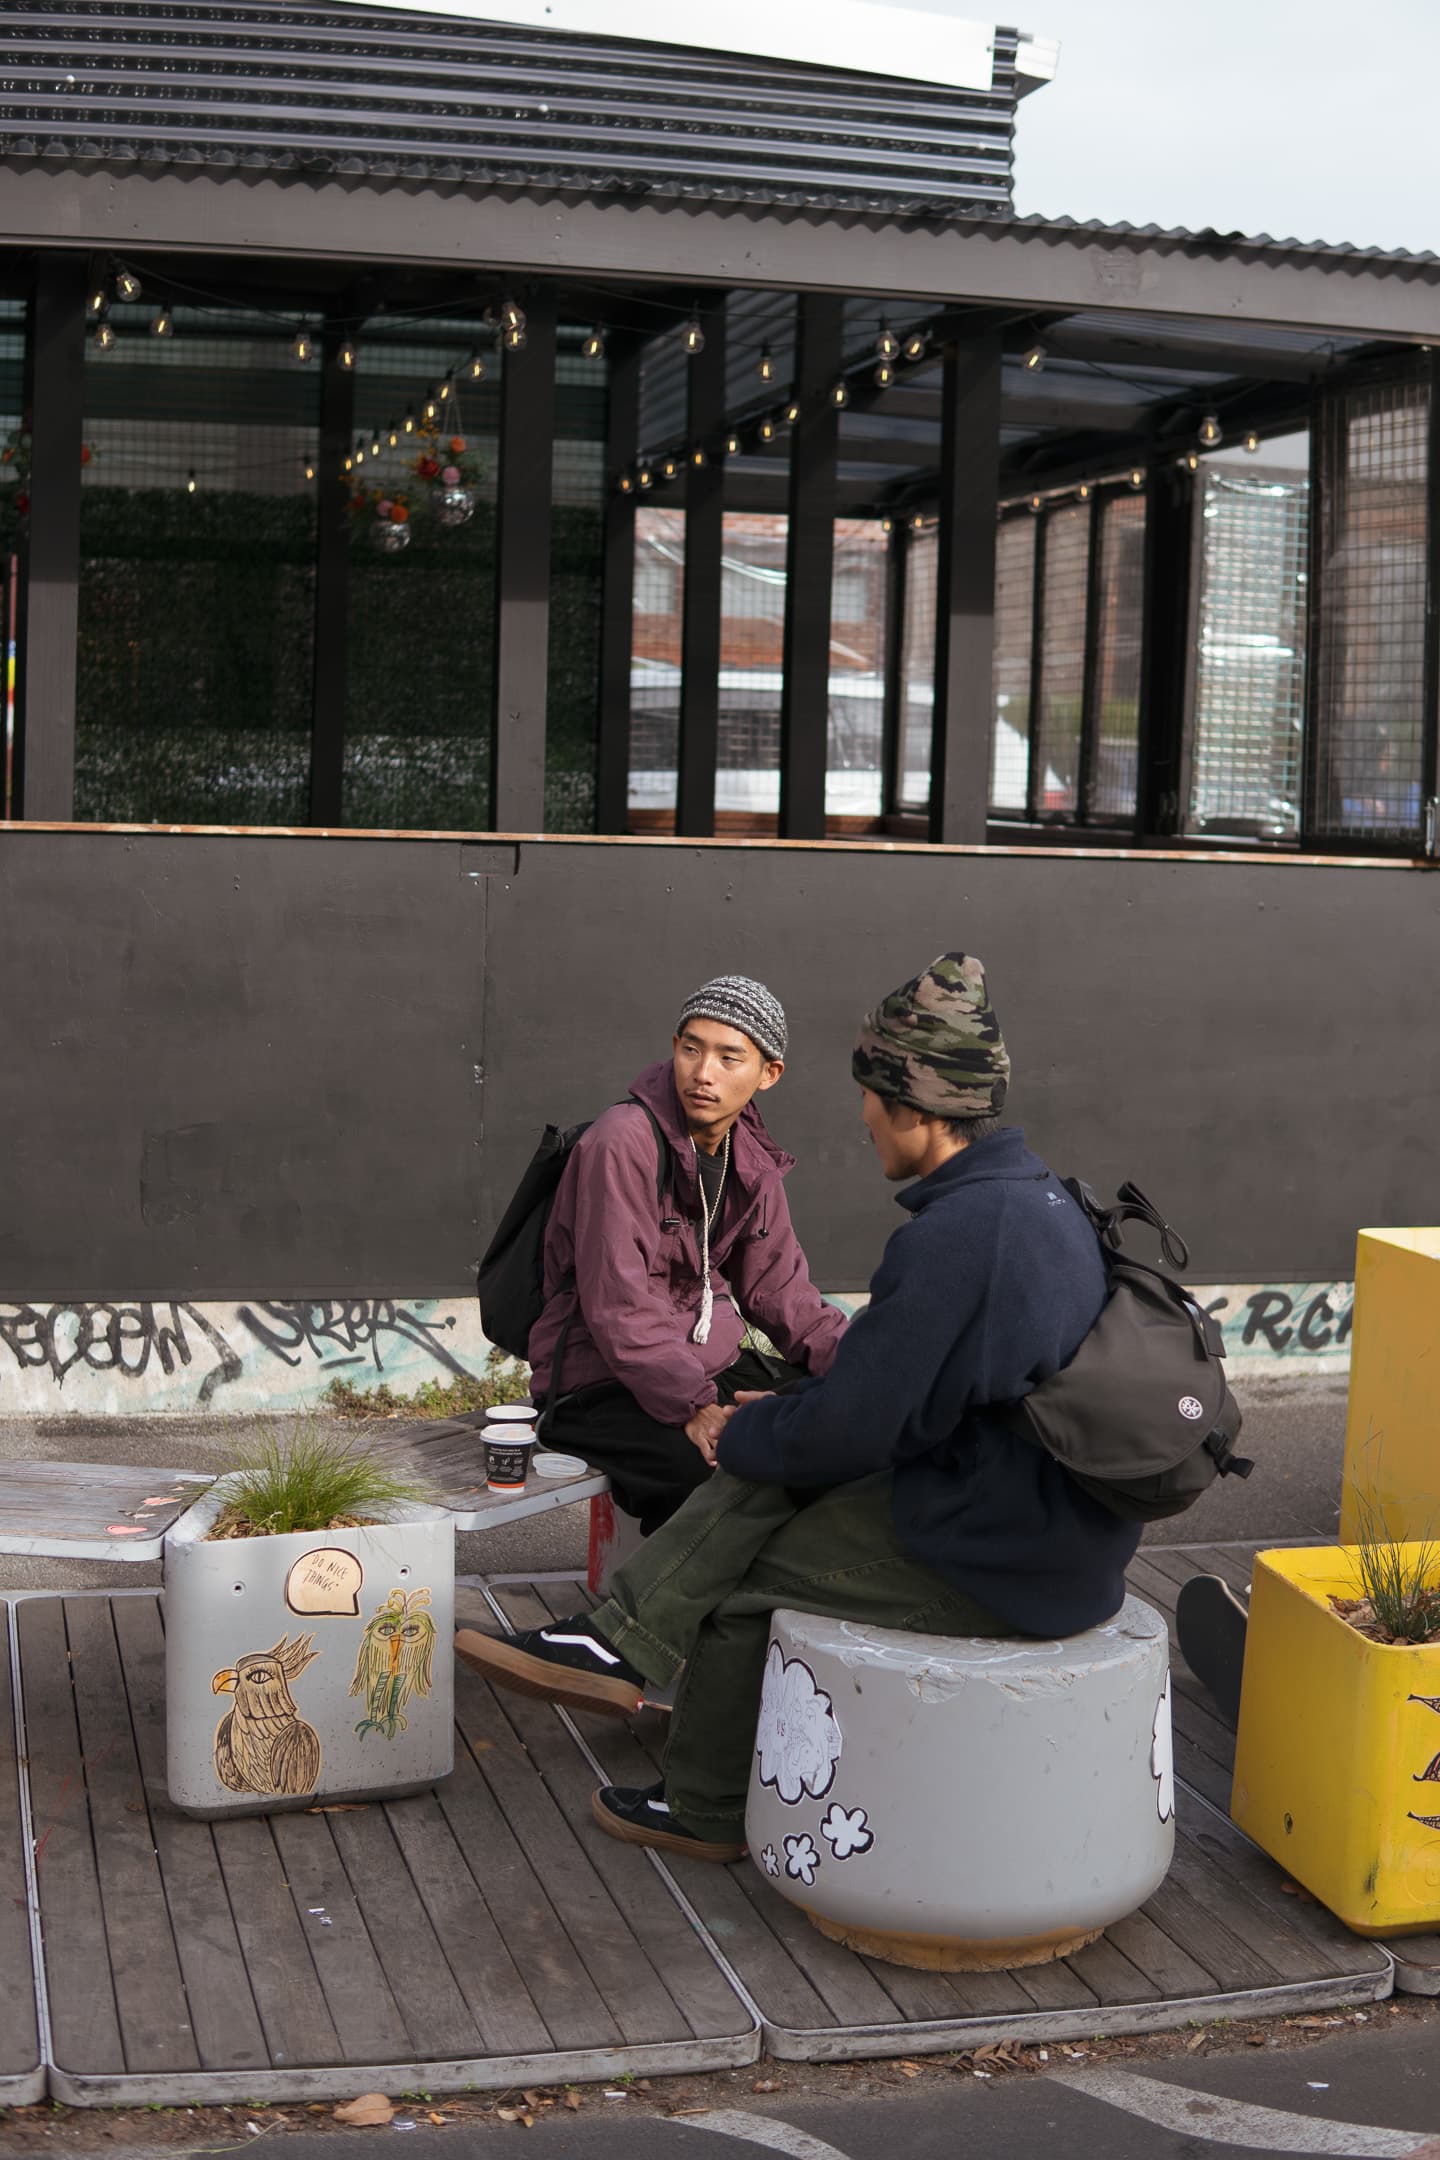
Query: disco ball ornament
column 391, row 539
column 454, row 506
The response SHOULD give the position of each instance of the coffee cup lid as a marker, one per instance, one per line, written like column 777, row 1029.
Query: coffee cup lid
column 514, row 1413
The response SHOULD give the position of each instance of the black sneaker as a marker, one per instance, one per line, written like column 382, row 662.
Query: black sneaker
column 639, row 1815
column 1210, row 1627
column 566, row 1662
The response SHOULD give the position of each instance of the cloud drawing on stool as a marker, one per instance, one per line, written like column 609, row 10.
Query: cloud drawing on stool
column 796, row 1738
column 1162, row 1756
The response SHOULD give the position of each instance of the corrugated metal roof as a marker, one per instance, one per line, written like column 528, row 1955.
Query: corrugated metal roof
column 287, row 86
column 1172, row 238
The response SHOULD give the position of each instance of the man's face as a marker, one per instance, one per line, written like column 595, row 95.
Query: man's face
column 717, row 1070
column 899, row 1134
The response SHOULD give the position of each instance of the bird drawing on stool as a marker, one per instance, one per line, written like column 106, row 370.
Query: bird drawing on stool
column 262, row 1744
column 396, row 1660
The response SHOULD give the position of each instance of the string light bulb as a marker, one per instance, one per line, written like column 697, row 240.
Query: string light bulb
column 347, row 354
column 1033, row 360
column 884, row 375
column 1190, row 462
column 431, row 409
column 1084, row 491
column 698, row 457
column 887, row 525
column 392, row 435
column 1252, row 442
column 191, row 483
column 645, row 478
column 1137, row 476
column 309, row 469
column 446, row 391
column 359, row 453
column 375, row 446
column 732, row 445
column 887, row 345
column 349, row 464
column 1211, row 432
column 127, row 285
column 300, row 345
column 475, row 367
column 915, row 345
column 164, row 323
column 839, row 394
column 512, row 315
column 693, row 337
column 627, row 484
column 99, row 300
column 765, row 366
column 409, row 422
column 594, row 346
column 669, row 468
column 792, row 413
column 917, row 523
column 1037, row 502
column 104, row 335
column 767, row 429
column 513, row 337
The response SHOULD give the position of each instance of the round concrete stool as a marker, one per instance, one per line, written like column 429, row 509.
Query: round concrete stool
column 963, row 1804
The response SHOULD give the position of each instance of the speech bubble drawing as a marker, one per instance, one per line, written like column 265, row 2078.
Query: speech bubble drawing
column 327, row 1580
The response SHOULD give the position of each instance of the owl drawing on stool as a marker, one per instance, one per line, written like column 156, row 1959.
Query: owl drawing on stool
column 395, row 1661
column 262, row 1744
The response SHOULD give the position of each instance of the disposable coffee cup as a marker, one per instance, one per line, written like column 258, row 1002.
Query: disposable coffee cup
column 508, row 1449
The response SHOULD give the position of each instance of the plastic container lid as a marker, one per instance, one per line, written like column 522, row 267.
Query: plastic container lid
column 513, row 1413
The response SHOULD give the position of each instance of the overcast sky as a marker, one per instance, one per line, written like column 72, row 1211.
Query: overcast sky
column 1316, row 121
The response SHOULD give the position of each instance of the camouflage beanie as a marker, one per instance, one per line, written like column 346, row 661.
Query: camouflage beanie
column 935, row 1043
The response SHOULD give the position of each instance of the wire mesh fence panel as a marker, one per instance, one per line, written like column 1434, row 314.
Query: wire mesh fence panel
column 196, row 588
column 1368, row 755
column 1114, row 720
column 1248, row 702
column 655, row 660
column 917, row 669
column 855, row 734
column 752, row 652
column 1014, row 637
column 1061, row 697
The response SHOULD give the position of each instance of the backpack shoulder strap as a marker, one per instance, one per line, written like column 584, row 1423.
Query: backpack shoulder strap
column 1131, row 1205
column 664, row 1164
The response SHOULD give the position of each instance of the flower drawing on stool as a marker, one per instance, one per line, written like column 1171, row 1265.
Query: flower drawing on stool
column 1162, row 1757
column 770, row 1860
column 846, row 1831
column 796, row 1737
column 801, row 1859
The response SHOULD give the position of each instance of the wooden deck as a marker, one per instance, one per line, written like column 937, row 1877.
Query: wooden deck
column 488, row 1934
column 22, row 2070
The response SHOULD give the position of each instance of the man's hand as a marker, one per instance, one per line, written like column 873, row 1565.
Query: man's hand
column 705, row 1428
column 744, row 1395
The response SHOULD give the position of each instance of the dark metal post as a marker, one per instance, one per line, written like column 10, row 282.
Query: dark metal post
column 965, row 588
column 1429, row 843
column 1034, row 777
column 522, row 575
column 332, row 580
column 50, row 589
column 1090, row 713
column 1163, row 655
column 809, row 569
column 617, row 591
column 894, row 705
column 700, row 619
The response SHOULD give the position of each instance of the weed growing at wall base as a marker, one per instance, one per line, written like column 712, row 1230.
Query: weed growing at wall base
column 503, row 1381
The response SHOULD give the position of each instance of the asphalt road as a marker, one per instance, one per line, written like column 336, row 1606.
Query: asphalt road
column 1295, row 1429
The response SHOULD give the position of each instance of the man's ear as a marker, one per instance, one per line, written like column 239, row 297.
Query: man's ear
column 770, row 1072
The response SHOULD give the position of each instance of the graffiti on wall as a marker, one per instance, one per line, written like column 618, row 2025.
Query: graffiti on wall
column 275, row 1354
column 1295, row 1321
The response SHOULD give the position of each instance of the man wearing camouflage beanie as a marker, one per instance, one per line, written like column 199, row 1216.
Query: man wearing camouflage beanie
column 895, row 1491
column 638, row 1353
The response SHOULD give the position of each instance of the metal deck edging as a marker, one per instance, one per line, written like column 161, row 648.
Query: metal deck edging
column 19, row 2090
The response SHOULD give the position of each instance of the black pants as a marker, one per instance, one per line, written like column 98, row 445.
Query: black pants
column 651, row 1467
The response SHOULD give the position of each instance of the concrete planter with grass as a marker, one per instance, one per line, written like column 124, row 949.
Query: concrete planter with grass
column 1337, row 1758
column 307, row 1666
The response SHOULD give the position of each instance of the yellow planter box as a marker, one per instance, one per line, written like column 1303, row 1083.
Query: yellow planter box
column 1337, row 1760
column 1394, row 1415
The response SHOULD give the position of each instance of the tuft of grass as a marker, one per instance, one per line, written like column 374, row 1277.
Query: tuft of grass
column 503, row 1381
column 1399, row 1580
column 309, row 1481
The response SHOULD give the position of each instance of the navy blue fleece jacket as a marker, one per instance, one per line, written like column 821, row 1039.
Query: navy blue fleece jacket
column 989, row 1288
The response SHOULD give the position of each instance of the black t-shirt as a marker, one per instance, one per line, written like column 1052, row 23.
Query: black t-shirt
column 712, row 1177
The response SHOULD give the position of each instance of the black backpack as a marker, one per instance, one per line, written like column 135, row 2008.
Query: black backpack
column 510, row 1280
column 1142, row 1417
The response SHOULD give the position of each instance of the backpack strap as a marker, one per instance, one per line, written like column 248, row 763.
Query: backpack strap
column 664, row 1193
column 1131, row 1205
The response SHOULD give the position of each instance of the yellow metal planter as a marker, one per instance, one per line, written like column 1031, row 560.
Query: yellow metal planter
column 1391, row 1457
column 1337, row 1761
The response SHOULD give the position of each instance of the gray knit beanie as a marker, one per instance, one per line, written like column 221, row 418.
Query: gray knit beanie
column 736, row 1001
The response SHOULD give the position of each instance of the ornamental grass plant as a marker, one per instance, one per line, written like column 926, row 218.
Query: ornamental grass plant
column 1399, row 1599
column 310, row 1480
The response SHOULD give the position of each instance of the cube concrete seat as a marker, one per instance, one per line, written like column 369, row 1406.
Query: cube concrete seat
column 959, row 1803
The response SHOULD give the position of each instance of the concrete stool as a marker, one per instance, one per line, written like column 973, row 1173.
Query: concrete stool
column 962, row 1804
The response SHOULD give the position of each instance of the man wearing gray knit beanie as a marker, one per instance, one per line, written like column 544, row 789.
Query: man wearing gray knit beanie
column 668, row 1234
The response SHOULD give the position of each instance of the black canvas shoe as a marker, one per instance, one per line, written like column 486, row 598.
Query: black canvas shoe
column 566, row 1662
column 638, row 1815
column 1210, row 1627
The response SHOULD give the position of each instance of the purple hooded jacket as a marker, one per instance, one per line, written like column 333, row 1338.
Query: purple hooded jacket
column 639, row 1284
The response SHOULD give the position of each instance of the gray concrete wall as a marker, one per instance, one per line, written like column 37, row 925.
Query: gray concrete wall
column 297, row 1066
